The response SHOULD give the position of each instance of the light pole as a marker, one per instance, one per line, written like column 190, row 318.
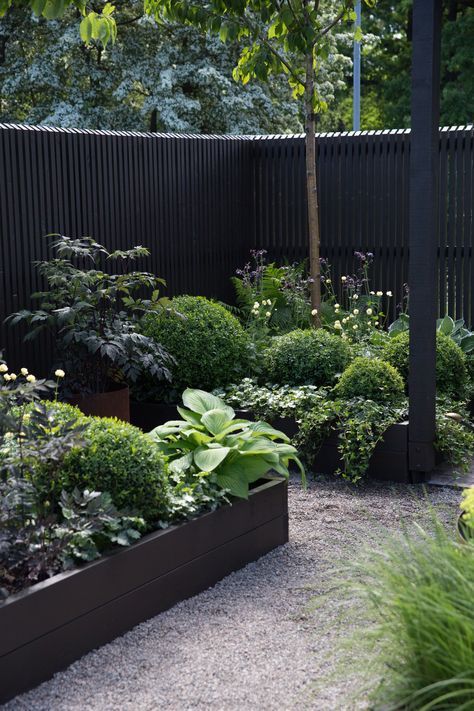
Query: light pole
column 356, row 74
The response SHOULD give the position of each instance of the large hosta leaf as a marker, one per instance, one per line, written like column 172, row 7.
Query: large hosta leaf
column 248, row 467
column 178, row 466
column 264, row 428
column 236, row 485
column 200, row 401
column 209, row 459
column 189, row 416
column 445, row 325
column 467, row 343
column 216, row 420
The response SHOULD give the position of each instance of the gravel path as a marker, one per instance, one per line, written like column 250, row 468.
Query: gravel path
column 270, row 636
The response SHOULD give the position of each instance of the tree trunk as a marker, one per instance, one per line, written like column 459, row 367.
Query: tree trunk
column 312, row 192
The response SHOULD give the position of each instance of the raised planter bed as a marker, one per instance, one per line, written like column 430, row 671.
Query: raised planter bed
column 46, row 627
column 389, row 461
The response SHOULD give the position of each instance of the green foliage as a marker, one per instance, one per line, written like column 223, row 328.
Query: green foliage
column 98, row 26
column 152, row 78
column 454, row 434
column 210, row 443
column 456, row 330
column 275, row 37
column 122, row 460
column 370, row 378
column 208, row 344
column 360, row 424
column 269, row 401
column 272, row 299
column 451, row 372
column 467, row 512
column 420, row 590
column 92, row 315
column 310, row 357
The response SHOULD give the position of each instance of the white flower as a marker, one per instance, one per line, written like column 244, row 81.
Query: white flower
column 328, row 281
column 345, row 320
column 337, row 324
column 59, row 373
column 355, row 327
column 24, row 371
column 268, row 314
column 31, row 378
column 314, row 312
column 372, row 293
column 344, row 336
column 389, row 293
column 256, row 305
column 12, row 376
column 7, row 377
column 3, row 368
column 369, row 312
column 343, row 278
column 376, row 323
column 356, row 312
column 380, row 293
column 337, row 306
column 355, row 297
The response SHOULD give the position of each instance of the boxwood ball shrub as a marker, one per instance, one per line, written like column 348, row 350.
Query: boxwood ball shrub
column 372, row 379
column 122, row 460
column 208, row 343
column 451, row 373
column 116, row 457
column 305, row 357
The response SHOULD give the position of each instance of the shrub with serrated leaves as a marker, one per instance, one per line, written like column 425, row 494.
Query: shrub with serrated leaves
column 309, row 357
column 92, row 315
column 372, row 379
column 207, row 342
column 451, row 374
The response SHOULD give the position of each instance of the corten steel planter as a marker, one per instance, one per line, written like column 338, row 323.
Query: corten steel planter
column 46, row 627
column 113, row 403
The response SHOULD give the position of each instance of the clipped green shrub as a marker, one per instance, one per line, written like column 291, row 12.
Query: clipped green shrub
column 451, row 374
column 372, row 379
column 117, row 458
column 309, row 357
column 208, row 343
column 122, row 460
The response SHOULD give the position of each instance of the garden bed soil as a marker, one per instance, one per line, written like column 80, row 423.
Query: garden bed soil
column 49, row 625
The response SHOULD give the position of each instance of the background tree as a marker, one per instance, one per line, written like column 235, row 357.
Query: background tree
column 289, row 37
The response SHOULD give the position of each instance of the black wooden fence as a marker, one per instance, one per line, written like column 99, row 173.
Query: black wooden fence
column 200, row 203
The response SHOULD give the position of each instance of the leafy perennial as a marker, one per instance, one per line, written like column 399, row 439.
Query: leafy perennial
column 210, row 442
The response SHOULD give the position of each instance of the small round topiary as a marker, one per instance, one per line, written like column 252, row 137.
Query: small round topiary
column 372, row 379
column 122, row 460
column 208, row 343
column 309, row 357
column 451, row 373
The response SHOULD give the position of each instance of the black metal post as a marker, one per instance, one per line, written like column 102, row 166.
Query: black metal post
column 423, row 216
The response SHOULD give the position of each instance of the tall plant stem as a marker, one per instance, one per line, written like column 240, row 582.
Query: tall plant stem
column 312, row 192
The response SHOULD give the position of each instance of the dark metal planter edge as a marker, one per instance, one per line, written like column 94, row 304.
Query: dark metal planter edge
column 37, row 649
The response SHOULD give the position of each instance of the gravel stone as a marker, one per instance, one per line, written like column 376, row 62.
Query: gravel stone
column 274, row 635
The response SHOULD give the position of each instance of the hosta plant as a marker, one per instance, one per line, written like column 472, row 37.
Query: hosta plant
column 209, row 442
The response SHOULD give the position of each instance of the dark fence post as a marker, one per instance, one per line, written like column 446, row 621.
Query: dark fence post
column 423, row 216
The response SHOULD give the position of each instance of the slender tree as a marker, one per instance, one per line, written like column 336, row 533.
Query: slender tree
column 277, row 36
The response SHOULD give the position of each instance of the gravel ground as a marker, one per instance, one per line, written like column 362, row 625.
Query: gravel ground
column 270, row 636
